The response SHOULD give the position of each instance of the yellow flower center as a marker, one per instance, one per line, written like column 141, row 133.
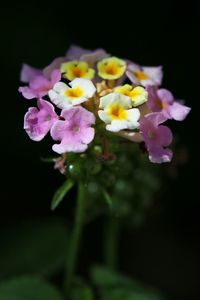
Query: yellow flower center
column 78, row 72
column 74, row 93
column 117, row 112
column 111, row 68
column 74, row 69
column 141, row 75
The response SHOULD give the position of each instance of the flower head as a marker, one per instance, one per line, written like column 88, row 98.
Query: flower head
column 137, row 94
column 162, row 100
column 39, row 85
column 64, row 96
column 75, row 132
column 117, row 112
column 38, row 122
column 111, row 68
column 156, row 137
column 74, row 69
column 144, row 75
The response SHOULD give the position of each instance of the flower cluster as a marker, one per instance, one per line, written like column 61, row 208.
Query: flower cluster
column 87, row 93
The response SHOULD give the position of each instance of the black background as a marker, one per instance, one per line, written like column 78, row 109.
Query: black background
column 165, row 251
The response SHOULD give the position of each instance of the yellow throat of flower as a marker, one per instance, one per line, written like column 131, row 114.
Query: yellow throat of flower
column 74, row 93
column 141, row 75
column 117, row 112
column 74, row 69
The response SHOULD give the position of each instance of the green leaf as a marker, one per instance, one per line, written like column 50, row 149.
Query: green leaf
column 61, row 192
column 106, row 278
column 114, row 286
column 28, row 288
column 33, row 247
column 129, row 294
column 81, row 290
column 107, row 198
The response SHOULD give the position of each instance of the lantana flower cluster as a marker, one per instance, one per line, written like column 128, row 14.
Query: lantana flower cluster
column 87, row 92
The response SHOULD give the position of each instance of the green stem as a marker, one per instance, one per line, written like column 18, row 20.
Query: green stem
column 72, row 254
column 111, row 243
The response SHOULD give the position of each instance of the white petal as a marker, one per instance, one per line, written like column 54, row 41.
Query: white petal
column 132, row 125
column 133, row 114
column 61, row 102
column 85, row 84
column 104, row 116
column 60, row 87
column 77, row 101
column 117, row 125
column 107, row 100
column 52, row 94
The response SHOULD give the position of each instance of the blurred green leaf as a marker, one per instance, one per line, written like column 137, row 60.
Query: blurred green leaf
column 106, row 278
column 114, row 286
column 81, row 290
column 129, row 294
column 33, row 247
column 28, row 288
column 61, row 192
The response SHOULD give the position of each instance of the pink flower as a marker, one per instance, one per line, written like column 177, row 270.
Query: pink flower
column 162, row 100
column 156, row 137
column 39, row 85
column 38, row 122
column 75, row 132
column 145, row 76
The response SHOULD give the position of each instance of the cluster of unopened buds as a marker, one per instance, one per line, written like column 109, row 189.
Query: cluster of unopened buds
column 90, row 92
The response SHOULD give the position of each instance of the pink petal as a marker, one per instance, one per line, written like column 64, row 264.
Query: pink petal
column 160, row 155
column 55, row 76
column 165, row 95
column 179, row 111
column 28, row 73
column 27, row 92
column 164, row 135
column 87, row 135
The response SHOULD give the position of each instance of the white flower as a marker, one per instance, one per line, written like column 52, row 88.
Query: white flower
column 80, row 90
column 117, row 112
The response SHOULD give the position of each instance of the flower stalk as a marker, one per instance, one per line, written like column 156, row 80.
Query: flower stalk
column 72, row 255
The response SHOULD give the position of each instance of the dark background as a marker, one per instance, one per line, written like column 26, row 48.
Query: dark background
column 165, row 251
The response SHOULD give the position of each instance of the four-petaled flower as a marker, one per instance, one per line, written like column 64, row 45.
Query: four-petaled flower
column 39, row 85
column 80, row 90
column 76, row 69
column 137, row 94
column 75, row 131
column 38, row 122
column 156, row 137
column 144, row 76
column 117, row 112
column 162, row 100
column 111, row 68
